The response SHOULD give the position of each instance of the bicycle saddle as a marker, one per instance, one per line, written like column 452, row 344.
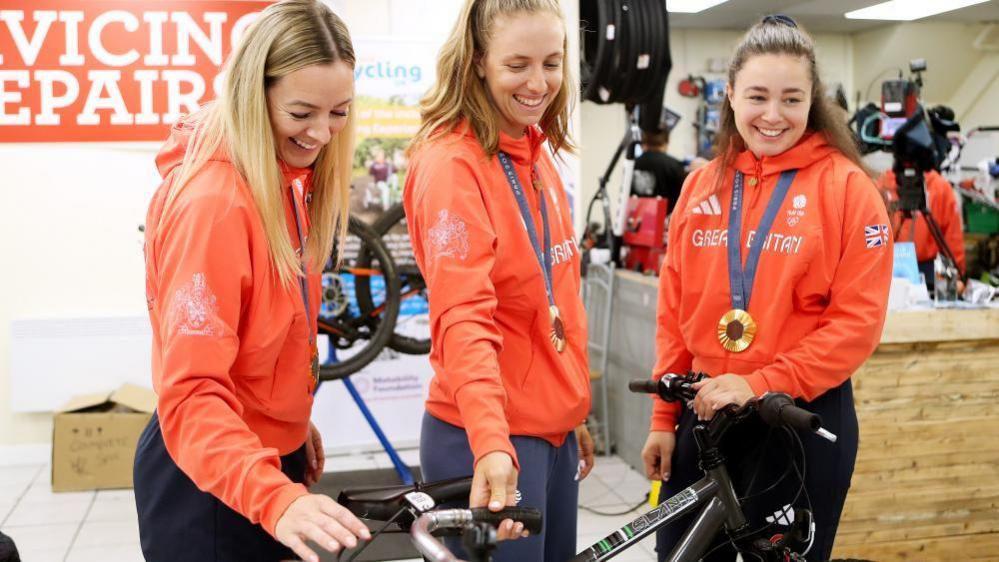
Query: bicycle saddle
column 383, row 502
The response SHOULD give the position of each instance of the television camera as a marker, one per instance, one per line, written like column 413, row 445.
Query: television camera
column 918, row 142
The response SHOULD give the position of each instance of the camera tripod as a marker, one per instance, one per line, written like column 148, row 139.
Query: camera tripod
column 912, row 204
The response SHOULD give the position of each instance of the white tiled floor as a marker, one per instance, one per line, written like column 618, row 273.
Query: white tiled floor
column 101, row 526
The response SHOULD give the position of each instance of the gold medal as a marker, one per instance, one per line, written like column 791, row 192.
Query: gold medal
column 736, row 330
column 558, row 330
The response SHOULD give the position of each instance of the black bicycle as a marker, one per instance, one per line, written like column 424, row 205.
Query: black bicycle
column 360, row 300
column 715, row 494
column 412, row 333
column 414, row 509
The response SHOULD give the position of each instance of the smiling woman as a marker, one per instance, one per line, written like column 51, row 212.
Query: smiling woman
column 254, row 193
column 523, row 68
column 786, row 203
column 771, row 103
column 307, row 109
column 492, row 234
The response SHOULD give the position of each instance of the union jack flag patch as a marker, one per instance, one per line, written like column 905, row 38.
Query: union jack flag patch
column 876, row 235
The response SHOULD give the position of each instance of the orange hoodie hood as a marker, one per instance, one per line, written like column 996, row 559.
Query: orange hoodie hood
column 811, row 148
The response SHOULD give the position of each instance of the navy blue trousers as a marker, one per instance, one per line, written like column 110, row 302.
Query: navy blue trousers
column 547, row 481
column 177, row 521
column 756, row 456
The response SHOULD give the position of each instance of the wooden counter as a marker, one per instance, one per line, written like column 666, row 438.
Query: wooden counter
column 926, row 485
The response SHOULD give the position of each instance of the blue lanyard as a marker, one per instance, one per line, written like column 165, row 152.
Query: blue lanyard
column 303, row 283
column 741, row 280
column 544, row 256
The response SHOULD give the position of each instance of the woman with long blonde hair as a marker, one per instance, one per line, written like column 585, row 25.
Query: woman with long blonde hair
column 492, row 234
column 255, row 191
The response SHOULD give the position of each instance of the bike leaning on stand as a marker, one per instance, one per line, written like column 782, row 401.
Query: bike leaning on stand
column 360, row 300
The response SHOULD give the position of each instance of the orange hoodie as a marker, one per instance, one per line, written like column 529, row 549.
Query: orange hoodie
column 821, row 287
column 942, row 205
column 496, row 371
column 231, row 351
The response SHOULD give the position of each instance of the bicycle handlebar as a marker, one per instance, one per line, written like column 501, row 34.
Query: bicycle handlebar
column 435, row 551
column 669, row 387
column 776, row 409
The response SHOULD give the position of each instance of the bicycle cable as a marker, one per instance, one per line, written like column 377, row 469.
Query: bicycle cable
column 391, row 520
column 785, row 474
column 793, row 464
column 783, row 511
column 808, row 499
column 759, row 465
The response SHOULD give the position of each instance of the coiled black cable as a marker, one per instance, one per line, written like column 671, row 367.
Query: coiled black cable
column 626, row 55
column 598, row 25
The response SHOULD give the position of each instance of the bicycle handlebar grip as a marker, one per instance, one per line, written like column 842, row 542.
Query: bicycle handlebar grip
column 800, row 418
column 529, row 516
column 777, row 409
column 645, row 386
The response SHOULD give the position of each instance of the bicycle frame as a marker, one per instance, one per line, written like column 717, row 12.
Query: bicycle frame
column 720, row 507
column 715, row 492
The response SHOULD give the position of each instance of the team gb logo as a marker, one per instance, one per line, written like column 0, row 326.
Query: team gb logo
column 795, row 215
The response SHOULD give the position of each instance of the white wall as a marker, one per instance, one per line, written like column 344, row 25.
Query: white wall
column 958, row 75
column 947, row 48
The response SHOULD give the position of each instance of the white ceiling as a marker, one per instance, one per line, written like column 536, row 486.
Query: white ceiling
column 815, row 15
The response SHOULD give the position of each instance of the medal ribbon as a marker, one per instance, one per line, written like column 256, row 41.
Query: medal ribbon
column 303, row 281
column 544, row 257
column 741, row 280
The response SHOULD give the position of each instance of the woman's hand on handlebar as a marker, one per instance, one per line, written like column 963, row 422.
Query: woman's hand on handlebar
column 494, row 485
column 319, row 519
column 657, row 454
column 715, row 393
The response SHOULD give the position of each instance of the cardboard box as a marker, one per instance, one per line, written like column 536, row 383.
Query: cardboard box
column 94, row 438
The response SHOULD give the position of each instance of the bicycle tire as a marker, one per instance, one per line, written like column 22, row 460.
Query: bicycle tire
column 392, row 223
column 362, row 255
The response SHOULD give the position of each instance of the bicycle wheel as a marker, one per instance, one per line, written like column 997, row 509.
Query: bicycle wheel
column 412, row 329
column 358, row 334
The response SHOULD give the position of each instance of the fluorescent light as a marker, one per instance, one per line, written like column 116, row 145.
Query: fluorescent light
column 908, row 10
column 691, row 6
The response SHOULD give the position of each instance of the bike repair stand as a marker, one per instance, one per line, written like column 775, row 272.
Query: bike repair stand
column 405, row 474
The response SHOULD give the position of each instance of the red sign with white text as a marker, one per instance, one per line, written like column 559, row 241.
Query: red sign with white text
column 111, row 70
